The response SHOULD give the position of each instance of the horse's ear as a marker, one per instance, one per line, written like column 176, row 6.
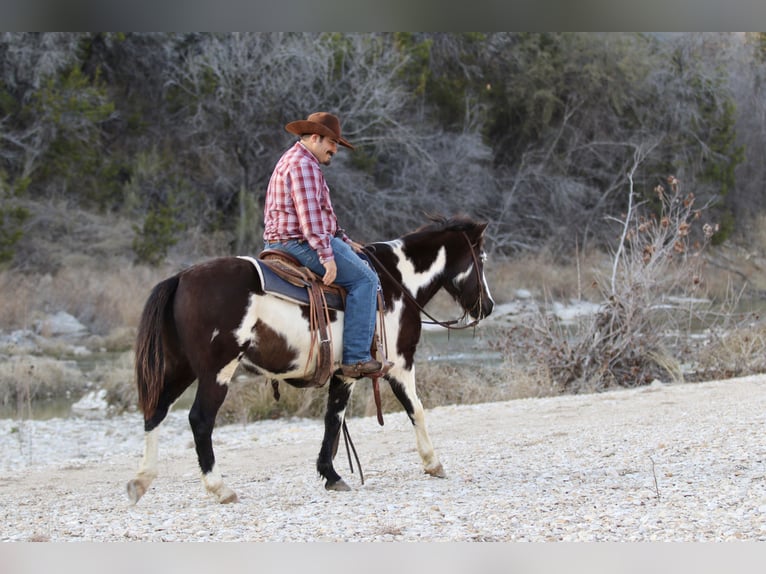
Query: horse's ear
column 477, row 232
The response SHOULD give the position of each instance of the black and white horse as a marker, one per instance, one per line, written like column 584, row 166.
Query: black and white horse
column 206, row 320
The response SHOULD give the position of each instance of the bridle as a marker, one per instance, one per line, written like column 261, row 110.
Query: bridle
column 454, row 324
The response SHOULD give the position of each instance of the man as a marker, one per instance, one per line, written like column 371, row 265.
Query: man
column 299, row 218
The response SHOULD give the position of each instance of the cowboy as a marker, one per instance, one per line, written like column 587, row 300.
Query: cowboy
column 299, row 218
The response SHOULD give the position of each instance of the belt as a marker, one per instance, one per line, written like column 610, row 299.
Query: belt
column 286, row 239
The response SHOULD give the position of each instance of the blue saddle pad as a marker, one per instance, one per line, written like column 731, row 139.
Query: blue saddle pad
column 275, row 285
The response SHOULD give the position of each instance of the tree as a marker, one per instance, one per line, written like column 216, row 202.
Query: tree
column 12, row 218
column 235, row 92
column 531, row 131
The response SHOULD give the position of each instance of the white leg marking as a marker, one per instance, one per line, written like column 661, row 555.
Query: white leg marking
column 147, row 471
column 151, row 447
column 431, row 462
column 213, row 482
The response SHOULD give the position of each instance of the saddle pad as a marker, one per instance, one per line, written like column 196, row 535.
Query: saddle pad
column 273, row 284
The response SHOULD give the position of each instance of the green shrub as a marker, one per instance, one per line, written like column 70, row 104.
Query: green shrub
column 156, row 235
column 12, row 217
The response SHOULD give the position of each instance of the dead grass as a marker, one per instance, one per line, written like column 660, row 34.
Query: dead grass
column 538, row 274
column 24, row 379
column 105, row 291
column 107, row 300
column 732, row 353
column 438, row 384
column 18, row 302
column 251, row 398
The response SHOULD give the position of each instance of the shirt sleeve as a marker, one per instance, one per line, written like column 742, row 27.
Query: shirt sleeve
column 308, row 190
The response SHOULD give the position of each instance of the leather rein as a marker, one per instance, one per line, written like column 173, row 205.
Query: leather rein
column 454, row 324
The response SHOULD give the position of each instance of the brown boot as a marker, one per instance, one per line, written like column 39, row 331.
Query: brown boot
column 361, row 369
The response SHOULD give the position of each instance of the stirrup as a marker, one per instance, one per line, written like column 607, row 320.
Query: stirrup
column 362, row 368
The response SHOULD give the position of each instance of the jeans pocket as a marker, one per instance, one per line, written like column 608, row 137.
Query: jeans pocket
column 302, row 249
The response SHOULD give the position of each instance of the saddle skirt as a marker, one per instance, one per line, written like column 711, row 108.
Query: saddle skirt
column 283, row 276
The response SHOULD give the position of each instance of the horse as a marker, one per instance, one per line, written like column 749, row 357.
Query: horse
column 210, row 318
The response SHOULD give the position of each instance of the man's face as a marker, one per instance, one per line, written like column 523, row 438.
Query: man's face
column 323, row 148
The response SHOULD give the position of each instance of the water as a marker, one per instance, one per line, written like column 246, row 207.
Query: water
column 456, row 346
column 40, row 409
column 80, row 369
column 437, row 345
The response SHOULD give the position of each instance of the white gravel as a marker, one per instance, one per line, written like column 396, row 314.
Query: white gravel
column 665, row 462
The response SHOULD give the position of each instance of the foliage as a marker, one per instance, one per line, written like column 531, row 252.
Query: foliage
column 710, row 116
column 12, row 217
column 531, row 131
column 657, row 262
column 157, row 234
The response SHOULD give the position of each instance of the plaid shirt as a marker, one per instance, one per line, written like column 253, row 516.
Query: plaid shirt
column 298, row 203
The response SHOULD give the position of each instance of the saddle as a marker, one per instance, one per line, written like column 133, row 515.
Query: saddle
column 284, row 276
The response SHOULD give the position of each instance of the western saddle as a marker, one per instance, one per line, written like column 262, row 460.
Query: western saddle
column 320, row 298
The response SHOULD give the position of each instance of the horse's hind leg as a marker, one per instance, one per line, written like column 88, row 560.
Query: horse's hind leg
column 210, row 396
column 337, row 401
column 174, row 385
column 403, row 386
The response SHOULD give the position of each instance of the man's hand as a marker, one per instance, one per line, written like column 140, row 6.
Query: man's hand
column 357, row 247
column 331, row 271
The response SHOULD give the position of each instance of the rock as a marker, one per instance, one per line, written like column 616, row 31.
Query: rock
column 62, row 323
column 92, row 405
column 575, row 310
column 20, row 341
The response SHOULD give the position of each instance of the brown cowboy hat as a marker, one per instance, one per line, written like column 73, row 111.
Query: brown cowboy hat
column 322, row 123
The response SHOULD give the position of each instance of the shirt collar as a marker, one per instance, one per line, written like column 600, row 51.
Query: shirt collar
column 305, row 151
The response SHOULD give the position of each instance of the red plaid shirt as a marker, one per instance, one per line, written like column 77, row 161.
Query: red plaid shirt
column 298, row 203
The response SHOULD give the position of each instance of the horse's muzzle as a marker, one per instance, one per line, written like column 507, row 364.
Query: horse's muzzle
column 484, row 310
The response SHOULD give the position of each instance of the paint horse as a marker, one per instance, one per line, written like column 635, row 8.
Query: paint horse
column 208, row 319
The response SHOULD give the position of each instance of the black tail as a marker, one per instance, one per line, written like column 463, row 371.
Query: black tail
column 150, row 355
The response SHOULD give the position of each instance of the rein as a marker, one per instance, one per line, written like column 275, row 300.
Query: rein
column 453, row 324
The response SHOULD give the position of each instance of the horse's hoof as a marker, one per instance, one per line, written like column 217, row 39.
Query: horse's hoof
column 226, row 495
column 437, row 471
column 136, row 490
column 339, row 486
column 229, row 498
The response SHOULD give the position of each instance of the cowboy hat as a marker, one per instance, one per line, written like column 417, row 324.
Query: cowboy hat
column 322, row 123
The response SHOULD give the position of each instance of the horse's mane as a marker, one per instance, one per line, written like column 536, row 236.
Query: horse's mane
column 442, row 223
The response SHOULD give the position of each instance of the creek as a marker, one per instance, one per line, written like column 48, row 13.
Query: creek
column 437, row 345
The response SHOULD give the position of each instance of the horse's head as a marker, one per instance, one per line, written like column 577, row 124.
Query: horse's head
column 464, row 276
column 446, row 253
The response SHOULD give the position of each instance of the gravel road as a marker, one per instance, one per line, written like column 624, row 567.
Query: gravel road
column 682, row 462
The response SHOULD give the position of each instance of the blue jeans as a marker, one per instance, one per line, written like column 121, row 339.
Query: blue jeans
column 361, row 282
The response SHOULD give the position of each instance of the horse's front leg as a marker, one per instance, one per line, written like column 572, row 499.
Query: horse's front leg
column 210, row 396
column 402, row 383
column 337, row 400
